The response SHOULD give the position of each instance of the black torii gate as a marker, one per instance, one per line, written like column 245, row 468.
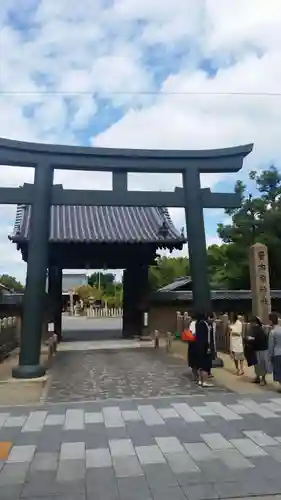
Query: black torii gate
column 41, row 195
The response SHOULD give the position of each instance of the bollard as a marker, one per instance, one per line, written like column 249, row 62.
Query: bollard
column 156, row 339
column 169, row 337
column 55, row 343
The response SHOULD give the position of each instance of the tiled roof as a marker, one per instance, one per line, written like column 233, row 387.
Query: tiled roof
column 176, row 284
column 103, row 224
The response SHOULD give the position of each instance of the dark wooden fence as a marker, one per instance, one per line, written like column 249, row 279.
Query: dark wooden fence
column 9, row 336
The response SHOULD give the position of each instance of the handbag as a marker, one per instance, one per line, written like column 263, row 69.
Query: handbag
column 188, row 336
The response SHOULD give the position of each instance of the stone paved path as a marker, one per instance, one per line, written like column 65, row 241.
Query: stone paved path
column 117, row 373
column 196, row 448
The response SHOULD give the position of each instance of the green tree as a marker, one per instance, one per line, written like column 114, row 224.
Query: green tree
column 105, row 281
column 11, row 283
column 86, row 292
column 258, row 220
column 167, row 270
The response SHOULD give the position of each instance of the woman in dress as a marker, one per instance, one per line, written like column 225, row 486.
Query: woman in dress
column 203, row 349
column 236, row 344
column 274, row 348
column 257, row 339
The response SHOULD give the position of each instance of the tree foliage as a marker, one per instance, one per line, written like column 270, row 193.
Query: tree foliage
column 87, row 292
column 11, row 283
column 167, row 270
column 257, row 221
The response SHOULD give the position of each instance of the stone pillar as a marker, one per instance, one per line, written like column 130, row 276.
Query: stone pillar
column 55, row 294
column 126, row 329
column 196, row 241
column 143, row 305
column 134, row 286
column 260, row 286
column 34, row 302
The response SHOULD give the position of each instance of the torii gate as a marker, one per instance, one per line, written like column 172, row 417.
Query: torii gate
column 41, row 195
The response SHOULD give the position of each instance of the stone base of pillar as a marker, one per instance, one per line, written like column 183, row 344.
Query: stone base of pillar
column 28, row 371
column 217, row 363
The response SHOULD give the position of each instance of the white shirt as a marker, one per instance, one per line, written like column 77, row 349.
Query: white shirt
column 192, row 327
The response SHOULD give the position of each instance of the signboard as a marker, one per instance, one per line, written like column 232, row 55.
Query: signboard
column 260, row 285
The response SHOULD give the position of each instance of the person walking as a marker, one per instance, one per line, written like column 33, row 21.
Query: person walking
column 203, row 349
column 191, row 353
column 274, row 347
column 236, row 343
column 212, row 325
column 257, row 339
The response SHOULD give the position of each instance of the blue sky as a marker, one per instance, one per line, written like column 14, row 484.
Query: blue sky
column 122, row 73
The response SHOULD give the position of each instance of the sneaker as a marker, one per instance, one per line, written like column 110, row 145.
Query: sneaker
column 207, row 384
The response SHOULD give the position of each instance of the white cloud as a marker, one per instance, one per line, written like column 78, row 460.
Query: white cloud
column 77, row 60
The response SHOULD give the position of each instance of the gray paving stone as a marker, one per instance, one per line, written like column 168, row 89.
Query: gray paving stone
column 248, row 448
column 274, row 451
column 267, row 466
column 168, row 413
column 159, row 476
column 12, row 492
column 229, row 490
column 259, row 410
column 50, row 439
column 12, row 474
column 133, row 488
column 72, row 451
column 199, row 451
column 121, row 448
column 17, row 421
column 35, row 421
column 233, row 459
column 204, row 411
column 131, row 416
column 3, row 418
column 169, row 444
column 20, row 454
column 99, row 457
column 74, row 419
column 94, row 418
column 260, row 438
column 127, row 467
column 113, row 417
column 181, row 462
column 139, row 433
column 71, row 470
column 205, row 491
column 240, row 409
column 38, row 483
column 169, row 493
column 150, row 455
column 55, row 420
column 116, row 433
column 187, row 413
column 150, row 415
column 45, row 461
column 216, row 441
column 223, row 411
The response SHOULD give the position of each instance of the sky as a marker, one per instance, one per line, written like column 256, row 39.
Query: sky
column 164, row 74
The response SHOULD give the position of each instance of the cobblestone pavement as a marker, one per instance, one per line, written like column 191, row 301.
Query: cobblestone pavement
column 175, row 448
column 142, row 372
